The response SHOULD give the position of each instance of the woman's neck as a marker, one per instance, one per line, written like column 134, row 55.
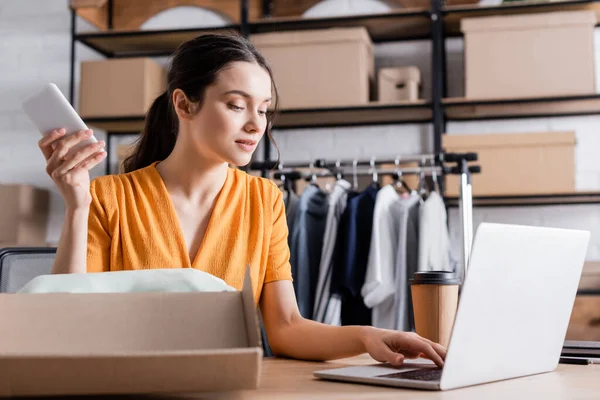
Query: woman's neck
column 195, row 182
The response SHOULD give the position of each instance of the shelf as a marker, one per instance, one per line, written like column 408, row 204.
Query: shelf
column 152, row 43
column 406, row 24
column 117, row 125
column 531, row 200
column 369, row 114
column 454, row 14
column 461, row 109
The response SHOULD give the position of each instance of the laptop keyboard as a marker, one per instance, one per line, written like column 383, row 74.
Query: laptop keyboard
column 423, row 374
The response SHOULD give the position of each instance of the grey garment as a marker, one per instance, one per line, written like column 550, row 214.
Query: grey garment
column 337, row 204
column 407, row 261
column 306, row 243
column 379, row 289
column 292, row 202
column 333, row 313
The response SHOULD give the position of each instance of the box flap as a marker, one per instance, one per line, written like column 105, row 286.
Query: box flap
column 529, row 21
column 456, row 142
column 324, row 36
column 400, row 74
column 250, row 314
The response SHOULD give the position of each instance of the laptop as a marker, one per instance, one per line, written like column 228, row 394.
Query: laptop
column 512, row 317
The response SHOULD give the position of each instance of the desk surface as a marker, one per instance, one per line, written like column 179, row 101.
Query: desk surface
column 287, row 379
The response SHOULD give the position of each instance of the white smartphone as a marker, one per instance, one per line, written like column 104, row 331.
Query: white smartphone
column 48, row 109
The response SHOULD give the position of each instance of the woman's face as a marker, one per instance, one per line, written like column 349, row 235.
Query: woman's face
column 232, row 118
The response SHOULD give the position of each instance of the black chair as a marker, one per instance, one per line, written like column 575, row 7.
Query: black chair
column 19, row 265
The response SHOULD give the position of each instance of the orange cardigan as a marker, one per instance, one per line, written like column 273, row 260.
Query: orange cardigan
column 133, row 225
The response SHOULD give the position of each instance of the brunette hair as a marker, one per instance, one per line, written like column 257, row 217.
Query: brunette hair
column 195, row 65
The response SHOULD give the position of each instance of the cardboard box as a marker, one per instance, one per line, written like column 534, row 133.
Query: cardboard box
column 517, row 164
column 585, row 316
column 535, row 55
column 590, row 277
column 120, row 87
column 398, row 84
column 128, row 343
column 23, row 215
column 320, row 68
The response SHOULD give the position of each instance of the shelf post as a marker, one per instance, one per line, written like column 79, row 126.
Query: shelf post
column 437, row 73
column 244, row 26
column 108, row 151
column 267, row 8
column 109, row 15
column 466, row 214
column 72, row 57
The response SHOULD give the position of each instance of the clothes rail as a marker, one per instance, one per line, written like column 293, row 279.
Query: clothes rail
column 437, row 158
column 427, row 170
column 439, row 163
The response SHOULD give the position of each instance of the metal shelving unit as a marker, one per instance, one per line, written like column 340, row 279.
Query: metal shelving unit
column 459, row 109
column 156, row 43
column 435, row 25
column 404, row 24
column 577, row 198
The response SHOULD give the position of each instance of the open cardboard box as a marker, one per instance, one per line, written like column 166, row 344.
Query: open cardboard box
column 129, row 343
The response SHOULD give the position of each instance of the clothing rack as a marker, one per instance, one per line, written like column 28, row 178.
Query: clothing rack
column 433, row 164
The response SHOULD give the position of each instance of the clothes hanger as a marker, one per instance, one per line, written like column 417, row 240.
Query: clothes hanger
column 355, row 175
column 313, row 176
column 436, row 185
column 400, row 182
column 338, row 176
column 375, row 182
column 283, row 181
column 423, row 188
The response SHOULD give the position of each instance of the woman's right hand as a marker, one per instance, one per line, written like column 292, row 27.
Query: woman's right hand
column 70, row 172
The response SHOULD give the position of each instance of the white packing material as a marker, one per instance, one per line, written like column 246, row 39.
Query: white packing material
column 150, row 280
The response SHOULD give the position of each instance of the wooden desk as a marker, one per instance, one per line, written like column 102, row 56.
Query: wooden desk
column 287, row 379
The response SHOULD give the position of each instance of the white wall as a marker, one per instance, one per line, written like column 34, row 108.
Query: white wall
column 34, row 42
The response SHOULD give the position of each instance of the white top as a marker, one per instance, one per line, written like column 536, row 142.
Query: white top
column 379, row 287
column 338, row 200
column 434, row 240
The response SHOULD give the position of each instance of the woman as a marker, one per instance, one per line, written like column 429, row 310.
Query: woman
column 179, row 204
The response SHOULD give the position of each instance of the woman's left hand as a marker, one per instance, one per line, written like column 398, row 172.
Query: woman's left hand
column 394, row 347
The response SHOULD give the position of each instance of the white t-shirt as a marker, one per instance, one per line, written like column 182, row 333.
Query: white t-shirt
column 379, row 287
column 434, row 240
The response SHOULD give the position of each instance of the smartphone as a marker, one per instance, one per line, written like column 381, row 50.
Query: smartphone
column 48, row 109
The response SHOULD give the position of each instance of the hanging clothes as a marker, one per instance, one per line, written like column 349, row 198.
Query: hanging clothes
column 338, row 200
column 292, row 201
column 379, row 288
column 333, row 313
column 407, row 260
column 305, row 246
column 434, row 240
column 350, row 266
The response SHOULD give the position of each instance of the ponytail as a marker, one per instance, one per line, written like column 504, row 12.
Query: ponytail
column 158, row 138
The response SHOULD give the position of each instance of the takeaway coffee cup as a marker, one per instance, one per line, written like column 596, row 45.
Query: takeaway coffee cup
column 435, row 299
